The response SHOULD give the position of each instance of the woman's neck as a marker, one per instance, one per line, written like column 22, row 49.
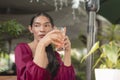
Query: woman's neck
column 33, row 46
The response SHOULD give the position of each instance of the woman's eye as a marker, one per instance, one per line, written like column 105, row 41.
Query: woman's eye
column 46, row 25
column 36, row 25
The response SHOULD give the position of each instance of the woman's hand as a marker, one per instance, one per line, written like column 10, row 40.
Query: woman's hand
column 67, row 55
column 67, row 44
column 55, row 37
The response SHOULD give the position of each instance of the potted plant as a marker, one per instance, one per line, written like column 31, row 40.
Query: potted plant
column 109, row 60
column 9, row 30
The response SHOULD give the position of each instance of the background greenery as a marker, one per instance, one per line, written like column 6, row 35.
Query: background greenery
column 9, row 30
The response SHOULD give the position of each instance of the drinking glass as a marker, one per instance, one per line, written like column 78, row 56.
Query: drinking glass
column 63, row 30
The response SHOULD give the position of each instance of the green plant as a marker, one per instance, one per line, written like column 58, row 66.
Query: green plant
column 4, row 57
column 109, row 33
column 109, row 55
column 11, row 28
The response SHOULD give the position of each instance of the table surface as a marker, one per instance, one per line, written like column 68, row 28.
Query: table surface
column 8, row 78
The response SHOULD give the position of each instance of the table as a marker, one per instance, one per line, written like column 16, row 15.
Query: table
column 8, row 78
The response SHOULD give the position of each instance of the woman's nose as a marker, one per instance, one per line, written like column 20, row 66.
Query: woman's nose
column 42, row 28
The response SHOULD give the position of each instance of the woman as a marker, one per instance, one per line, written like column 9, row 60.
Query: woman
column 37, row 60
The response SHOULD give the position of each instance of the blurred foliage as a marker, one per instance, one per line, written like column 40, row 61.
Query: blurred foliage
column 109, row 55
column 109, row 33
column 2, row 46
column 4, row 57
column 5, row 69
column 79, row 68
column 105, row 34
column 11, row 28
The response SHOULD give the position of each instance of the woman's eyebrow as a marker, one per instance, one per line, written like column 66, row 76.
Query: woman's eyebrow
column 36, row 23
column 40, row 23
column 46, row 22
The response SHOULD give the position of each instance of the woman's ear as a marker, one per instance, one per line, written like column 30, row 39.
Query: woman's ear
column 30, row 29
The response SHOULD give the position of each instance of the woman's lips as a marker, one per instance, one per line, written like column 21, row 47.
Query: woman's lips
column 41, row 36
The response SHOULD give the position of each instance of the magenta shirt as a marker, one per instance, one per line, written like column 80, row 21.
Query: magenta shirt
column 28, row 70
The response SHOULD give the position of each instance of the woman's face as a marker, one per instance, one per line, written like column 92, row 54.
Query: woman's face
column 40, row 27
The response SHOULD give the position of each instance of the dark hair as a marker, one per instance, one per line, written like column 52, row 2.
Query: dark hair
column 53, row 62
column 42, row 14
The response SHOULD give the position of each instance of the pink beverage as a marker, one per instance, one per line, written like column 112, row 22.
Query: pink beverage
column 61, row 47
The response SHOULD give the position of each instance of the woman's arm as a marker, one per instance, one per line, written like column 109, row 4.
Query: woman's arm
column 67, row 55
column 55, row 37
column 25, row 67
column 40, row 57
column 64, row 72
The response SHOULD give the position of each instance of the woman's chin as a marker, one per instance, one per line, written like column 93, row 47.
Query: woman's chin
column 40, row 38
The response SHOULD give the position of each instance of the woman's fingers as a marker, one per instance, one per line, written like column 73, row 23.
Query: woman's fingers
column 57, row 42
column 56, row 33
column 67, row 43
column 56, row 37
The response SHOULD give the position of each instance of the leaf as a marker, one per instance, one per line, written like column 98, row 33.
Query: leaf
column 111, row 51
column 93, row 49
column 98, row 60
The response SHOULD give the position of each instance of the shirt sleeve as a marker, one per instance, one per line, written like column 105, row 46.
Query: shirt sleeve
column 26, row 68
column 65, row 72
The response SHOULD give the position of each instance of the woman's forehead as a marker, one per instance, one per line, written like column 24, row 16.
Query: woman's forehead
column 41, row 19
